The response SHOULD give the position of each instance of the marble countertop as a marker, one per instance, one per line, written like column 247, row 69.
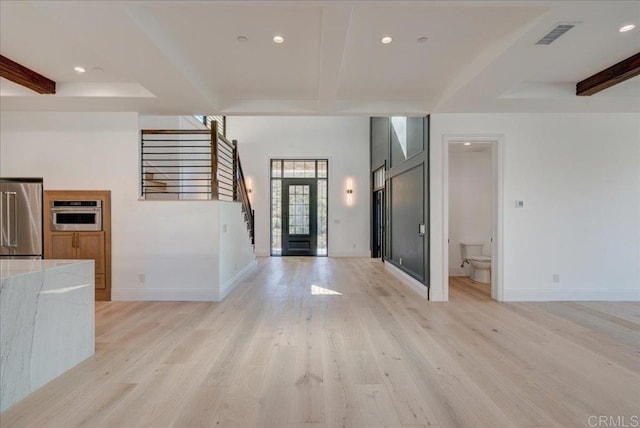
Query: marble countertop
column 47, row 322
column 15, row 267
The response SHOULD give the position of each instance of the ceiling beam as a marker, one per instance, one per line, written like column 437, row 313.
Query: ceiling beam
column 613, row 75
column 26, row 77
column 336, row 22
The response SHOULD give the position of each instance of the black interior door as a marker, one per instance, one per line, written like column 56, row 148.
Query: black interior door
column 378, row 224
column 299, row 217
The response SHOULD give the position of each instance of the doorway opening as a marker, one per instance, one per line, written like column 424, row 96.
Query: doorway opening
column 378, row 214
column 472, row 231
column 299, row 204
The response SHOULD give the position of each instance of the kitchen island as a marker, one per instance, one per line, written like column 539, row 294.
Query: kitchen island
column 47, row 322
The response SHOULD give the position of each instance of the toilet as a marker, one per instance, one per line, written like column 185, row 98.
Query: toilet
column 480, row 265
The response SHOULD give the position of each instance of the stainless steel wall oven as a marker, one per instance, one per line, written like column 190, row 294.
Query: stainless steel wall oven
column 76, row 215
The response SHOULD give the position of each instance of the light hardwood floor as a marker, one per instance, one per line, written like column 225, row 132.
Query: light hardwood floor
column 277, row 353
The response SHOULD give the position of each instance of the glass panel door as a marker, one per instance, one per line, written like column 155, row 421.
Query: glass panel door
column 299, row 205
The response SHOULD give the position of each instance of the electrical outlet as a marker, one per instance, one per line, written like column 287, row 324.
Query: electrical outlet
column 354, row 245
column 224, row 228
column 556, row 278
column 142, row 278
column 400, row 261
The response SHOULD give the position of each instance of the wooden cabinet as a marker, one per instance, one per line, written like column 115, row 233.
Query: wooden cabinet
column 83, row 245
column 61, row 246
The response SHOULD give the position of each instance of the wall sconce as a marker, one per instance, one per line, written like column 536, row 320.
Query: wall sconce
column 349, row 192
column 249, row 184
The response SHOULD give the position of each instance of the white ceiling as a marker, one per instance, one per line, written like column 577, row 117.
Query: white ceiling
column 183, row 57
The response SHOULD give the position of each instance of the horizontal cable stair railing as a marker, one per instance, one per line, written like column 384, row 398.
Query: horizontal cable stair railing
column 193, row 164
column 225, row 162
column 175, row 164
column 243, row 196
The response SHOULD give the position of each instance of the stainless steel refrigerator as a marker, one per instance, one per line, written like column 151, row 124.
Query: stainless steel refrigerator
column 21, row 218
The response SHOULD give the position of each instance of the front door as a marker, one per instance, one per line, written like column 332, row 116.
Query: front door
column 299, row 217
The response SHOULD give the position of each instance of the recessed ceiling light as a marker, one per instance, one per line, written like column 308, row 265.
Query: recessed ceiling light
column 386, row 40
column 79, row 69
column 278, row 39
column 467, row 144
column 422, row 40
column 626, row 28
column 242, row 38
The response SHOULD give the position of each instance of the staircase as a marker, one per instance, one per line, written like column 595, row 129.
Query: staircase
column 194, row 164
column 156, row 189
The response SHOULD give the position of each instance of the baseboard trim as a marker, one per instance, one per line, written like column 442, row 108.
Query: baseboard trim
column 350, row 254
column 457, row 271
column 181, row 294
column 572, row 295
column 415, row 285
column 228, row 287
column 331, row 253
column 165, row 294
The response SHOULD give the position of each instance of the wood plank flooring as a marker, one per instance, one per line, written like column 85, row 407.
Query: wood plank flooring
column 322, row 342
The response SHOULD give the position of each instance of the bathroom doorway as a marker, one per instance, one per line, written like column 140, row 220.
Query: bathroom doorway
column 472, row 215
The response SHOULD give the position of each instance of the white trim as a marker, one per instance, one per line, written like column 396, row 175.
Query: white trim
column 415, row 285
column 572, row 295
column 350, row 254
column 228, row 287
column 497, row 252
column 182, row 294
column 497, row 268
column 165, row 294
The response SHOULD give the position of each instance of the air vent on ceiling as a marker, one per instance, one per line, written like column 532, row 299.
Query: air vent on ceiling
column 553, row 35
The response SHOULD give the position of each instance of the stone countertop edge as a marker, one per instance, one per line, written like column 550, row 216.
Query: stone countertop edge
column 25, row 267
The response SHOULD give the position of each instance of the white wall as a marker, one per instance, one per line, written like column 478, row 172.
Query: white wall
column 235, row 250
column 169, row 122
column 161, row 250
column 470, row 202
column 343, row 140
column 579, row 177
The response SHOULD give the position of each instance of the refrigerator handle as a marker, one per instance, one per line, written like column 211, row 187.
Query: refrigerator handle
column 12, row 220
column 2, row 228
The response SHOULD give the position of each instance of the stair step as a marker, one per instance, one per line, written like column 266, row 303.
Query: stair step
column 155, row 186
column 155, row 183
